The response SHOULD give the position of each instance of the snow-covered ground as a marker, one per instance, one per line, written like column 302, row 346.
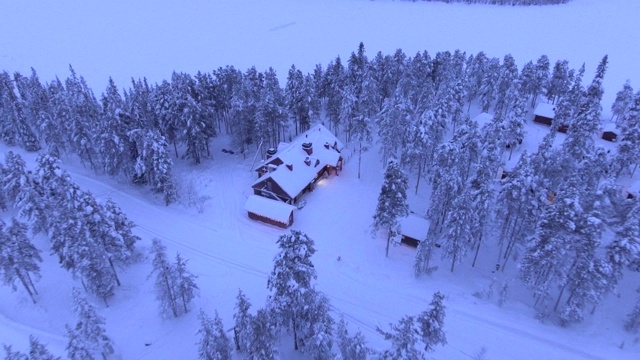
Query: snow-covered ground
column 228, row 251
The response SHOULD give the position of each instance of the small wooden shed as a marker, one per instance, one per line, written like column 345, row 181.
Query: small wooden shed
column 544, row 113
column 413, row 229
column 269, row 211
column 609, row 132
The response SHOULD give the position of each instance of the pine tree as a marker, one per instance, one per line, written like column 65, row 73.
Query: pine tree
column 111, row 135
column 13, row 355
column 84, row 113
column 214, row 343
column 404, row 340
column 624, row 98
column 165, row 280
column 123, row 227
column 38, row 351
column 87, row 338
column 392, row 201
column 242, row 325
column 559, row 82
column 18, row 257
column 431, row 323
column 458, row 236
column 14, row 174
column 290, row 279
column 185, row 287
column 317, row 324
column 632, row 323
column 517, row 207
column 629, row 145
column 263, row 338
column 351, row 347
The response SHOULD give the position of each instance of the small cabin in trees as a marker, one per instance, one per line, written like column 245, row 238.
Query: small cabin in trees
column 269, row 211
column 293, row 169
column 544, row 113
column 413, row 229
column 609, row 132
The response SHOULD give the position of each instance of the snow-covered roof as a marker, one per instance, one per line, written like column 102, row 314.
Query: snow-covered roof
column 269, row 208
column 545, row 110
column 304, row 167
column 414, row 226
column 610, row 126
column 483, row 119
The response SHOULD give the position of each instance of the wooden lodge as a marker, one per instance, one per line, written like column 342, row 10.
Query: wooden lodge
column 413, row 229
column 292, row 169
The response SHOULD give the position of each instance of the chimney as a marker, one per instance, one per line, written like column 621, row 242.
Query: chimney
column 326, row 145
column 271, row 152
column 308, row 148
column 290, row 167
column 307, row 161
column 317, row 163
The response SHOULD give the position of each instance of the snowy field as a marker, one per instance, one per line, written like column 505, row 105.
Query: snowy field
column 226, row 250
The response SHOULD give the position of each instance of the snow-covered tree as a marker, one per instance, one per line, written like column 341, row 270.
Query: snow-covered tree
column 351, row 347
column 263, row 338
column 392, row 201
column 18, row 257
column 289, row 280
column 430, row 323
column 624, row 98
column 214, row 343
column 632, row 323
column 629, row 143
column 559, row 83
column 14, row 173
column 185, row 287
column 404, row 340
column 242, row 323
column 165, row 280
column 38, row 351
column 87, row 338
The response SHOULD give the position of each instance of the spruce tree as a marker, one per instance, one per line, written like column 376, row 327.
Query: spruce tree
column 87, row 338
column 214, row 343
column 242, row 326
column 392, row 202
column 289, row 280
column 185, row 285
column 165, row 280
column 263, row 338
column 351, row 347
column 430, row 324
column 18, row 257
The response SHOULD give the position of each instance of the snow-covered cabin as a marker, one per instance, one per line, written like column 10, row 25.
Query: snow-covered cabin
column 413, row 229
column 269, row 211
column 544, row 113
column 609, row 132
column 293, row 169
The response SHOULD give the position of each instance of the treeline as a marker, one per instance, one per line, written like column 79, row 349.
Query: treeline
column 505, row 2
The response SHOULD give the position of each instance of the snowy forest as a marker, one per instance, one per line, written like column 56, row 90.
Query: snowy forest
column 560, row 216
